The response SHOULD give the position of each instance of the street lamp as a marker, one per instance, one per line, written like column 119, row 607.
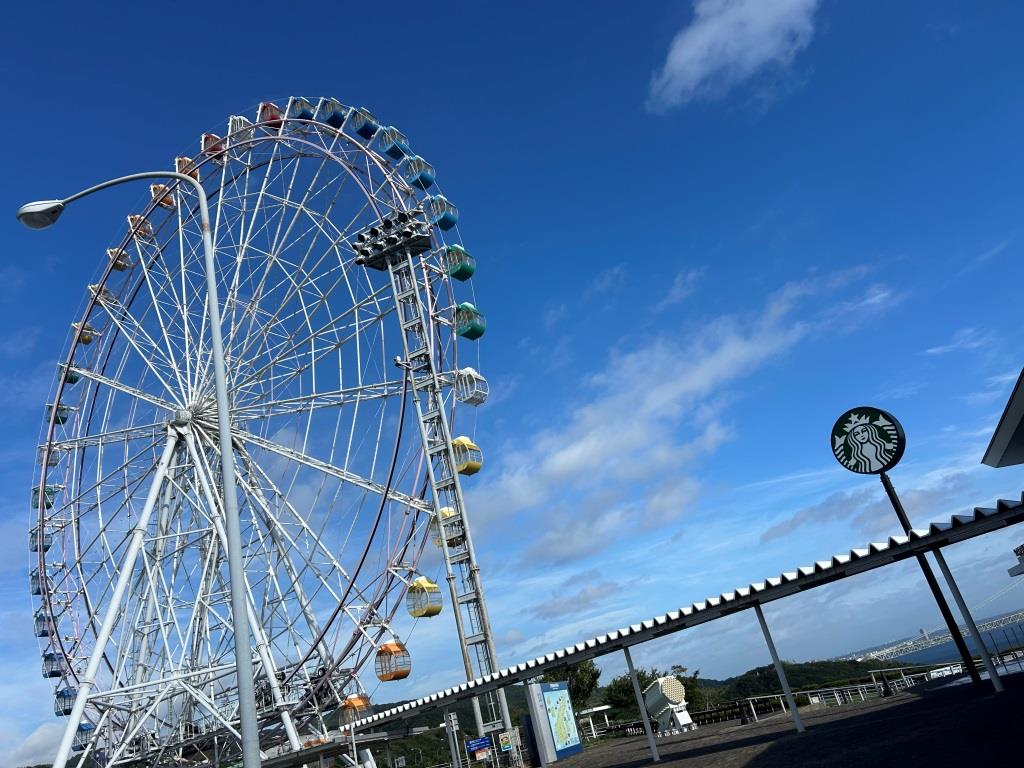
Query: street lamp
column 42, row 214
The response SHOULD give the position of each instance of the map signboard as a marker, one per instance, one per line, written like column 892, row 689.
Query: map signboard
column 554, row 722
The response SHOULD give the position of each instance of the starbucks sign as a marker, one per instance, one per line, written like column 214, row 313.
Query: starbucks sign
column 868, row 440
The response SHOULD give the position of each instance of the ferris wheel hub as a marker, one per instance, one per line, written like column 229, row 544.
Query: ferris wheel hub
column 182, row 417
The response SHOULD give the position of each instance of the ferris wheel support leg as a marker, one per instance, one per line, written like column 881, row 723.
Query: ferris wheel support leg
column 88, row 680
column 261, row 640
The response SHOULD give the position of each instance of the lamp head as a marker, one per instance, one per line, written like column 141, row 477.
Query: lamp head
column 40, row 214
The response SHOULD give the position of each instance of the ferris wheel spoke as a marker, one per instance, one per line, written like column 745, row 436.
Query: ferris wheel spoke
column 130, row 331
column 330, row 470
column 121, row 387
column 266, row 409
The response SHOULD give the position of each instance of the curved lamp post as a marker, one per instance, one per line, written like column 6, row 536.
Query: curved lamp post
column 42, row 214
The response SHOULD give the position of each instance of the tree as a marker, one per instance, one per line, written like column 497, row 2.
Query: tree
column 582, row 679
column 618, row 694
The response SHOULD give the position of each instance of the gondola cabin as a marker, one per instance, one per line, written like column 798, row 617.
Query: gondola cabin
column 354, row 707
column 213, row 147
column 393, row 662
column 140, row 227
column 270, row 115
column 119, row 260
column 362, row 122
column 417, row 172
column 35, row 584
column 39, row 542
column 441, row 213
column 71, row 376
column 300, row 108
column 53, row 664
column 186, row 166
column 60, row 413
column 86, row 333
column 41, row 623
column 162, row 196
column 64, row 701
column 423, row 599
column 470, row 387
column 393, row 143
column 458, row 262
column 47, row 496
column 82, row 736
column 332, row 112
column 468, row 456
column 469, row 321
column 101, row 294
column 447, row 529
column 240, row 130
column 50, row 457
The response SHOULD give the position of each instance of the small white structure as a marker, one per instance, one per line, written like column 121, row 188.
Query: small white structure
column 665, row 700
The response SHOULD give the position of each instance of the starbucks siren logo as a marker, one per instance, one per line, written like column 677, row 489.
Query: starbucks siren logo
column 868, row 440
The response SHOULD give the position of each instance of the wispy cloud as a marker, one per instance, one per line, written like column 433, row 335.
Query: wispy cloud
column 683, row 285
column 605, row 280
column 869, row 511
column 963, row 340
column 576, row 595
column 728, row 42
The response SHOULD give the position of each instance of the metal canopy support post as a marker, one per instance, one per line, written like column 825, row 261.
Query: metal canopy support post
column 453, row 740
column 655, row 757
column 969, row 621
column 940, row 599
column 779, row 670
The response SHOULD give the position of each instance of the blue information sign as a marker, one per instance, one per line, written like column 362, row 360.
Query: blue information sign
column 475, row 745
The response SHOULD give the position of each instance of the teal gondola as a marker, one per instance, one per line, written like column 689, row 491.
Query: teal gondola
column 39, row 541
column 469, row 321
column 458, row 262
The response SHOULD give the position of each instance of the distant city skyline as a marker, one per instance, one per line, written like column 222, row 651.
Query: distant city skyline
column 703, row 230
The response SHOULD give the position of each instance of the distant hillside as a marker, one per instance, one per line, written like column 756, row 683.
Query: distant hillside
column 761, row 681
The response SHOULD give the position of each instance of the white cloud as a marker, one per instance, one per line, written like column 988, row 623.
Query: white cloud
column 682, row 287
column 963, row 340
column 606, row 280
column 726, row 43
column 39, row 747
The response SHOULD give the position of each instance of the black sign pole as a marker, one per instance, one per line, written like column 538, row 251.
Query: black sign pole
column 940, row 599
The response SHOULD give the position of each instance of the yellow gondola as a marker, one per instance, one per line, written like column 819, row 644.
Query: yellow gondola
column 393, row 662
column 453, row 532
column 423, row 598
column 468, row 456
column 354, row 706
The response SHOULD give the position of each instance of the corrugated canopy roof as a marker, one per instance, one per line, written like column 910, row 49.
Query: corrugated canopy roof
column 873, row 555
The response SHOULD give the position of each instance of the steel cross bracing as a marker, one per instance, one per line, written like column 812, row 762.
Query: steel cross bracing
column 461, row 570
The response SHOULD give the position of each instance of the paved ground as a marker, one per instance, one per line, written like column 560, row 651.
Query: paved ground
column 944, row 726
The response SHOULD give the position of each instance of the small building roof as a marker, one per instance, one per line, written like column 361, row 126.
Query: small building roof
column 1007, row 445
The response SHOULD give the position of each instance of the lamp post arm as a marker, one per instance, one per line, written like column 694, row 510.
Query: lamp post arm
column 138, row 177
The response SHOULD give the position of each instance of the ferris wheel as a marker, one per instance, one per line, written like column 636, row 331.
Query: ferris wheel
column 346, row 315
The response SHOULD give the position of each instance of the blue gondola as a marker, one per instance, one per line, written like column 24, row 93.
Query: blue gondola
column 441, row 213
column 59, row 412
column 417, row 172
column 332, row 112
column 41, row 623
column 35, row 582
column 300, row 108
column 393, row 143
column 53, row 664
column 64, row 701
column 82, row 736
column 37, row 542
column 362, row 122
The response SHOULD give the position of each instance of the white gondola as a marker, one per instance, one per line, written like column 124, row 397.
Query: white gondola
column 470, row 387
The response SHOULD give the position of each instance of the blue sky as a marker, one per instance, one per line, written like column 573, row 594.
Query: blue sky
column 703, row 230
